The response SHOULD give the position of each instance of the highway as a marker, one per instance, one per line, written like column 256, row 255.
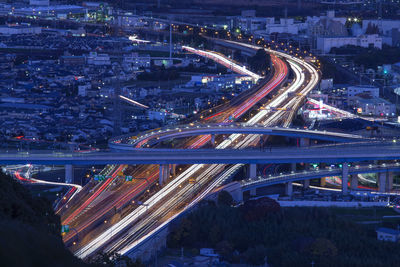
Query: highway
column 124, row 243
column 23, row 173
column 293, row 176
column 339, row 112
column 126, row 193
column 334, row 153
column 221, row 59
column 229, row 114
column 169, row 197
column 264, row 116
column 169, row 133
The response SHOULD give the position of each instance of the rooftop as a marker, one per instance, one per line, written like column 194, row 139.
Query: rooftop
column 388, row 231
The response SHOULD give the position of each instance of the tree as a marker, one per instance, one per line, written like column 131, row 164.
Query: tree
column 114, row 259
column 256, row 255
column 254, row 210
column 30, row 231
column 372, row 29
column 323, row 247
column 260, row 62
column 237, row 55
column 224, row 248
column 224, row 198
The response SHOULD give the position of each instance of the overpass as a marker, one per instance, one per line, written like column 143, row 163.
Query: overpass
column 385, row 178
column 329, row 154
column 202, row 156
column 129, row 142
column 350, row 152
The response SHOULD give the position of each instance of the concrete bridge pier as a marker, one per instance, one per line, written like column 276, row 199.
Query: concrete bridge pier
column 304, row 142
column 252, row 171
column 237, row 195
column 253, row 192
column 235, row 189
column 385, row 182
column 213, row 140
column 381, row 182
column 289, row 189
column 353, row 182
column 293, row 167
column 389, row 181
column 172, row 168
column 306, row 184
column 163, row 173
column 345, row 178
column 69, row 174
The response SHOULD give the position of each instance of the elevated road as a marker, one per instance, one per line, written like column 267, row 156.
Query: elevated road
column 207, row 176
column 127, row 143
column 105, row 201
column 221, row 59
column 254, row 183
column 329, row 154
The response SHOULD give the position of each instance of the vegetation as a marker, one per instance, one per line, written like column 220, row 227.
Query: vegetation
column 225, row 199
column 29, row 229
column 370, row 57
column 260, row 62
column 114, row 259
column 159, row 74
column 260, row 230
column 30, row 232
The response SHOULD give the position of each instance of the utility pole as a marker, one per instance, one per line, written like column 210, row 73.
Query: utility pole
column 117, row 105
column 170, row 40
column 285, row 11
column 380, row 15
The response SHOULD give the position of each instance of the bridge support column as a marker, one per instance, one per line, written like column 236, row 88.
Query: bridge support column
column 289, row 189
column 213, row 140
column 237, row 194
column 253, row 192
column 69, row 174
column 307, row 166
column 293, row 167
column 160, row 175
column 389, row 181
column 353, row 182
column 345, row 178
column 306, row 184
column 173, row 169
column 382, row 182
column 304, row 142
column 163, row 173
column 252, row 171
column 322, row 181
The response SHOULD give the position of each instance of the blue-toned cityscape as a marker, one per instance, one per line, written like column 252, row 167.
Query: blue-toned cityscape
column 200, row 133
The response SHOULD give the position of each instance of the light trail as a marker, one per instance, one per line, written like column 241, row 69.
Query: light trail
column 102, row 238
column 173, row 185
column 133, row 102
column 93, row 196
column 141, row 186
column 223, row 61
column 299, row 80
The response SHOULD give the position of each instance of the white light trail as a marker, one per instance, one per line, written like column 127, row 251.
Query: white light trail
column 104, row 237
column 133, row 102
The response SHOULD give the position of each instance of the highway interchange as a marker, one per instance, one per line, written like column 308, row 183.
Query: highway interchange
column 114, row 215
column 177, row 191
